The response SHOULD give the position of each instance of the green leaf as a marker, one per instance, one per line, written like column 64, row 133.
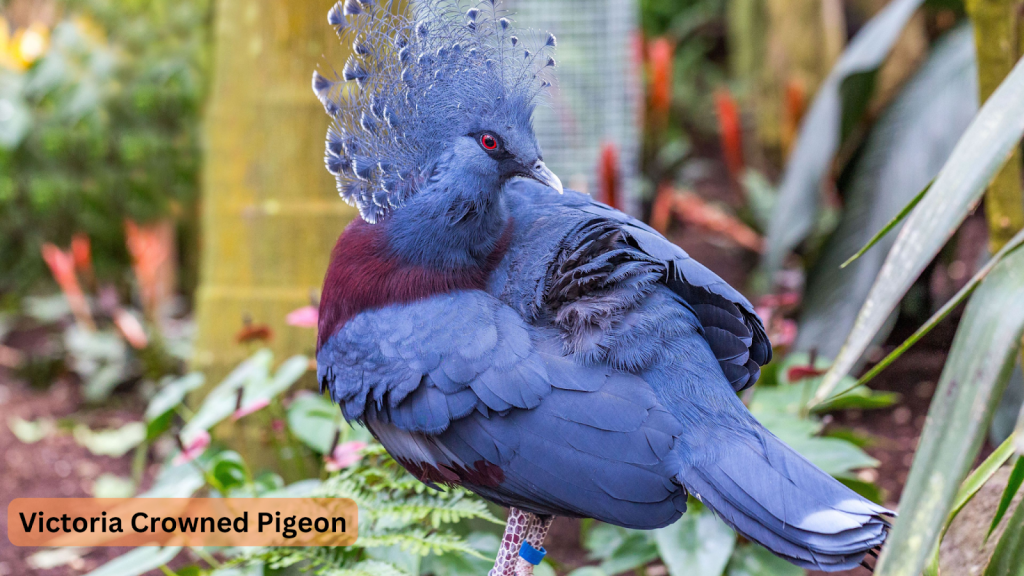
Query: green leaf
column 1012, row 485
column 968, row 489
column 155, row 428
column 698, row 544
column 221, row 401
column 860, row 397
column 981, row 475
column 15, row 114
column 112, row 486
column 30, row 432
column 114, row 443
column 976, row 371
column 229, row 471
column 370, row 568
column 137, row 561
column 958, row 188
column 620, row 549
column 179, row 481
column 454, row 564
column 903, row 152
column 1008, row 557
column 866, row 489
column 833, row 455
column 837, row 105
column 946, row 309
column 100, row 358
column 315, row 421
column 753, row 560
column 172, row 393
column 255, row 570
column 300, row 489
column 889, row 225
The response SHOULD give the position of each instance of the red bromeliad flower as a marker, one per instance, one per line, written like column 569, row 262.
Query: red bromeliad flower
column 796, row 100
column 150, row 248
column 659, row 54
column 81, row 249
column 693, row 210
column 731, row 131
column 62, row 266
column 609, row 176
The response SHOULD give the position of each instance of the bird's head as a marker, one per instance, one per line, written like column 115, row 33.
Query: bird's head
column 498, row 146
column 447, row 88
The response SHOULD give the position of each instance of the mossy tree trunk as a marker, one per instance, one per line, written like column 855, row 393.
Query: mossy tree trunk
column 1000, row 43
column 779, row 48
column 270, row 212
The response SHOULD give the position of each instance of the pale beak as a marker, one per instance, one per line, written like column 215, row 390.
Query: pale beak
column 545, row 176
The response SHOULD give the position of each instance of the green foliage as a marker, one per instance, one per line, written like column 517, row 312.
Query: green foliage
column 316, row 421
column 699, row 543
column 401, row 521
column 754, row 560
column 1012, row 485
column 957, row 190
column 108, row 129
column 983, row 354
column 1008, row 557
column 619, row 549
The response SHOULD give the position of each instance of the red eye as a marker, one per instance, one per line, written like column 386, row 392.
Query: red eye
column 489, row 142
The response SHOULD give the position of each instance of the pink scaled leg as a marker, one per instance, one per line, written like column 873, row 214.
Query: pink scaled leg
column 535, row 536
column 516, row 527
column 520, row 526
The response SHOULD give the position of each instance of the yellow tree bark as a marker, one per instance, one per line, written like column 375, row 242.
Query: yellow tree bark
column 782, row 47
column 998, row 38
column 270, row 212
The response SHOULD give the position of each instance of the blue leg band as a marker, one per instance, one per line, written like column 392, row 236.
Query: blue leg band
column 531, row 554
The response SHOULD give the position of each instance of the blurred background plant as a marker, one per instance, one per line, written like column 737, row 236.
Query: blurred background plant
column 100, row 105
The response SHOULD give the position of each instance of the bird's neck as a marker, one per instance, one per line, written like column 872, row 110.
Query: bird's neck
column 410, row 256
column 453, row 224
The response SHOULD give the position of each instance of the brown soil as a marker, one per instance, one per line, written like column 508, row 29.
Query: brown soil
column 55, row 466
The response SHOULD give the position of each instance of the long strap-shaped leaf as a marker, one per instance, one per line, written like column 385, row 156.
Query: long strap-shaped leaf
column 968, row 490
column 819, row 136
column 979, row 364
column 957, row 189
column 937, row 317
column 1008, row 557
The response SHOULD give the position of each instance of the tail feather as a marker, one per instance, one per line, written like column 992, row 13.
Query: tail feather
column 775, row 497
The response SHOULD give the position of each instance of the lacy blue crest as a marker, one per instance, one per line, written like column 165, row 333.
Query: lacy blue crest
column 414, row 82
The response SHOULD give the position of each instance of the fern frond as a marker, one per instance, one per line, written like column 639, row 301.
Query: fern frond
column 368, row 568
column 421, row 543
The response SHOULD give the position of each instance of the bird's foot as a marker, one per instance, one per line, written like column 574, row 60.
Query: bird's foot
column 521, row 527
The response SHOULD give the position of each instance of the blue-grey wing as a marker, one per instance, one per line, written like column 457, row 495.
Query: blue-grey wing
column 616, row 259
column 460, row 390
column 450, row 354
